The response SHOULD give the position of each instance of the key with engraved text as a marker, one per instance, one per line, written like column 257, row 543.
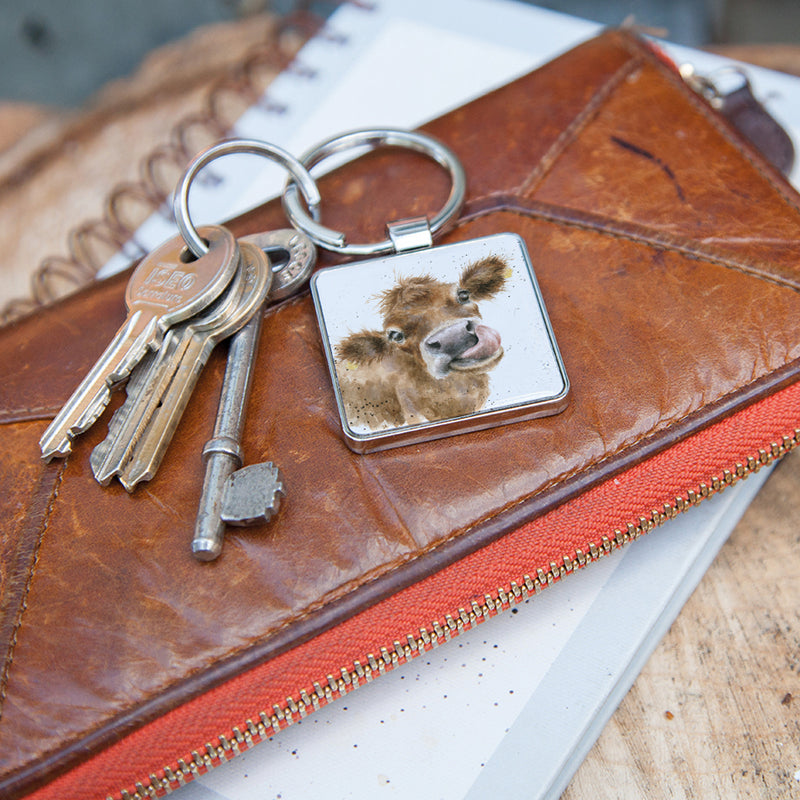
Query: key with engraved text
column 166, row 288
column 148, row 452
column 150, row 380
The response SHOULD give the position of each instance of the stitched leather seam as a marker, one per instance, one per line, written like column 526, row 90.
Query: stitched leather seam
column 578, row 124
column 600, row 226
column 634, row 47
column 7, row 415
column 28, row 581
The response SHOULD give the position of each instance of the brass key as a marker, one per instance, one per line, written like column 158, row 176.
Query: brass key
column 150, row 380
column 148, row 452
column 166, row 288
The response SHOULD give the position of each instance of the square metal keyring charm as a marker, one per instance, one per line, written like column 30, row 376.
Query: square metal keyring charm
column 437, row 342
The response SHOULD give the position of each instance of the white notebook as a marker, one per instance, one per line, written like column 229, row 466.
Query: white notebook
column 509, row 708
column 516, row 703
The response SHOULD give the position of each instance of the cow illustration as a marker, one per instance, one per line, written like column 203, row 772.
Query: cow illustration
column 431, row 359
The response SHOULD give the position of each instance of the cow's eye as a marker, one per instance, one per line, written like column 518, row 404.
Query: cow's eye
column 462, row 295
column 396, row 336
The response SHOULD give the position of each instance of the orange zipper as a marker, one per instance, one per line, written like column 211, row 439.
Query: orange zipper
column 229, row 719
column 297, row 706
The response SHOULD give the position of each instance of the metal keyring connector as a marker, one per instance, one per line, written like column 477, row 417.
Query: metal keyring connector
column 299, row 173
column 372, row 139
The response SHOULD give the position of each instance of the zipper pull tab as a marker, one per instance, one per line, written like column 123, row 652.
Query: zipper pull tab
column 745, row 112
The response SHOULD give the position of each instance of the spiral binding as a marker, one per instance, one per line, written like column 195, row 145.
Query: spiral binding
column 129, row 204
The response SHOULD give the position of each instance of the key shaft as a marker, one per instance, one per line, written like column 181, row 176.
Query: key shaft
column 223, row 452
column 148, row 390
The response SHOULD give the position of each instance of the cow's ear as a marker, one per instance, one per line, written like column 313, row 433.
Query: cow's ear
column 485, row 278
column 363, row 347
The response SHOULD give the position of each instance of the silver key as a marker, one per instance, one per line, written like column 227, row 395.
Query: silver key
column 148, row 452
column 293, row 255
column 135, row 387
column 245, row 496
column 166, row 288
column 150, row 380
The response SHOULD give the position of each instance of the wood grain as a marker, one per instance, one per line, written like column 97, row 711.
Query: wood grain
column 716, row 711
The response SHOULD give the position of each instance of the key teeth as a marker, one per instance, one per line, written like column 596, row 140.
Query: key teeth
column 63, row 447
column 103, row 471
column 90, row 415
column 96, row 462
column 102, row 478
column 130, row 483
column 111, row 455
column 62, row 450
column 93, row 393
column 98, row 457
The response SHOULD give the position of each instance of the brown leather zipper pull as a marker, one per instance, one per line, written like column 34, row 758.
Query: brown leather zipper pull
column 747, row 114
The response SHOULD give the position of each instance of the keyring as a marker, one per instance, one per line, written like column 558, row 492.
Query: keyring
column 372, row 139
column 299, row 173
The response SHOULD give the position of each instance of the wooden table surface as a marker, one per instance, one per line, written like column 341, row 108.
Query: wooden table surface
column 716, row 711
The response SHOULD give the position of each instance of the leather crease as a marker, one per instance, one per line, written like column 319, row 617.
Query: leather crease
column 14, row 591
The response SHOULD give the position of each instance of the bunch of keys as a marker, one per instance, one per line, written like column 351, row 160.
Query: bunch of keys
column 184, row 298
column 435, row 322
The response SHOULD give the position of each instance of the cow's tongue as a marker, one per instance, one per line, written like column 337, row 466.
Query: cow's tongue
column 487, row 345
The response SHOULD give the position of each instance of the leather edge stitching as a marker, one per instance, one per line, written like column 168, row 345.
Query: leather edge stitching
column 578, row 124
column 599, row 227
column 4, row 674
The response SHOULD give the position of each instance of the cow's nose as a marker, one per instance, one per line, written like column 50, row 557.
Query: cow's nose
column 454, row 339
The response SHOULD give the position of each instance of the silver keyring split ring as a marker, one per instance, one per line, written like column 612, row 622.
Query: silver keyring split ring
column 372, row 139
column 300, row 176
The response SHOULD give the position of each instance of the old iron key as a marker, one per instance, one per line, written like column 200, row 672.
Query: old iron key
column 166, row 288
column 251, row 494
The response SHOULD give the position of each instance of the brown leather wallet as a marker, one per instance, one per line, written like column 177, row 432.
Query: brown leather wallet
column 665, row 249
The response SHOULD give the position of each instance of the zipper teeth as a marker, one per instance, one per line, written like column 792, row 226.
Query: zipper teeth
column 302, row 703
